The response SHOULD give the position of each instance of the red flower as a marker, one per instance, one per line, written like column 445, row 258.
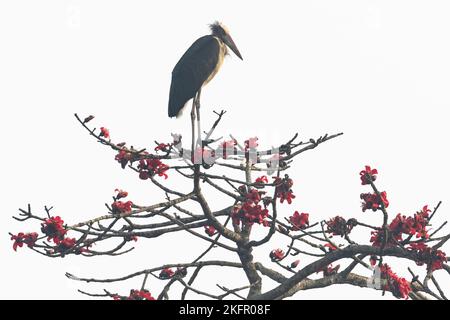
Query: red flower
column 166, row 273
column 210, row 230
column 433, row 258
column 424, row 212
column 53, row 228
column 373, row 201
column 262, row 180
column 338, row 226
column 288, row 196
column 123, row 157
column 295, row 264
column 150, row 167
column 250, row 213
column 121, row 207
column 135, row 295
column 253, row 196
column 330, row 246
column 251, row 143
column 24, row 238
column 399, row 287
column 368, row 175
column 121, row 194
column 66, row 244
column 162, row 147
column 276, row 255
column 373, row 260
column 144, row 175
column 400, row 224
column 410, row 225
column 283, row 189
column 299, row 220
column 104, row 132
column 419, row 223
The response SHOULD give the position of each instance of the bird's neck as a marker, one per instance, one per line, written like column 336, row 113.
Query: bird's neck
column 223, row 46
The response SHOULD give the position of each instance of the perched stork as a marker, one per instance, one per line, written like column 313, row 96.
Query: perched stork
column 199, row 64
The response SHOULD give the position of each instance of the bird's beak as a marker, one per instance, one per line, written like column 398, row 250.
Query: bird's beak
column 230, row 43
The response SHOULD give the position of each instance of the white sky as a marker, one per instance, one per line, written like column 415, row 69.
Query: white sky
column 376, row 70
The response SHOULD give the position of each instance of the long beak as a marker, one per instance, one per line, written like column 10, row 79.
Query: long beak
column 230, row 43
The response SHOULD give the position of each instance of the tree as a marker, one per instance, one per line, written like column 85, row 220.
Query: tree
column 228, row 167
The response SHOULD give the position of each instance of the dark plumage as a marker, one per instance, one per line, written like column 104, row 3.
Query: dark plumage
column 191, row 71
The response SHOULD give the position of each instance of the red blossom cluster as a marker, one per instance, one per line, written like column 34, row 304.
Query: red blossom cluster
column 399, row 287
column 121, row 207
column 253, row 195
column 283, row 189
column 166, row 273
column 104, row 132
column 150, row 167
column 123, row 157
column 338, row 226
column 415, row 225
column 24, row 238
column 53, row 228
column 135, row 295
column 210, row 230
column 401, row 224
column 329, row 270
column 299, row 220
column 433, row 258
column 368, row 175
column 372, row 201
column 163, row 147
column 250, row 211
column 66, row 244
column 276, row 255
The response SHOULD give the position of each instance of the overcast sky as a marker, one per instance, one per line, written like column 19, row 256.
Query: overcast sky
column 376, row 70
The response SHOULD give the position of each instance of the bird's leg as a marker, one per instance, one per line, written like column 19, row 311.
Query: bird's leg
column 199, row 131
column 193, row 128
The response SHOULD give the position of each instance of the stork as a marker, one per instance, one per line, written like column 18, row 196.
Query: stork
column 199, row 64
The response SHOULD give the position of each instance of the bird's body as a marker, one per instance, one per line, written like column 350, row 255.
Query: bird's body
column 198, row 66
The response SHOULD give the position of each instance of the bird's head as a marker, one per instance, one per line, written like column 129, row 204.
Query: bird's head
column 221, row 32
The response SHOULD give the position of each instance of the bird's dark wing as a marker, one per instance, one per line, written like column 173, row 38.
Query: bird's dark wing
column 191, row 72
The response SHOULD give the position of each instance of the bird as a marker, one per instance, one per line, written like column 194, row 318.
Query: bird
column 198, row 66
